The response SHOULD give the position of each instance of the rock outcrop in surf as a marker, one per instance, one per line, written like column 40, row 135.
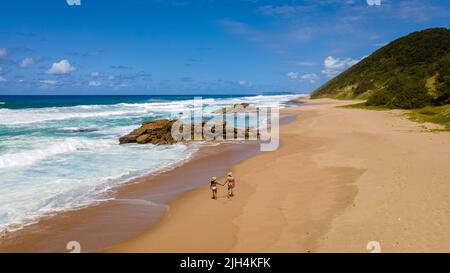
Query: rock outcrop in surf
column 237, row 108
column 155, row 132
column 160, row 132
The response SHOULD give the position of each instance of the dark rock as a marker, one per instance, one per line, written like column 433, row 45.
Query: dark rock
column 237, row 108
column 142, row 139
column 155, row 131
column 160, row 132
column 244, row 105
column 128, row 139
column 83, row 130
column 297, row 101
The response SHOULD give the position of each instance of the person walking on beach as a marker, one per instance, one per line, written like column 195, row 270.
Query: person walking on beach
column 213, row 187
column 231, row 184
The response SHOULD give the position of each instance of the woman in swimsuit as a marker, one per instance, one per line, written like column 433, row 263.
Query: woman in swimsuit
column 213, row 187
column 231, row 184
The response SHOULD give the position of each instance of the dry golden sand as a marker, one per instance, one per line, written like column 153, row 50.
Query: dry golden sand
column 341, row 178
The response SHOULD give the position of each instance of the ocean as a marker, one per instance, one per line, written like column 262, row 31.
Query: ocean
column 60, row 153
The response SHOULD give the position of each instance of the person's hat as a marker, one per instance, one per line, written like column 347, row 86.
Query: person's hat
column 230, row 174
column 213, row 178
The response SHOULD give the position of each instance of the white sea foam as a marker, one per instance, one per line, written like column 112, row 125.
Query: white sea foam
column 11, row 117
column 25, row 116
column 29, row 157
column 61, row 188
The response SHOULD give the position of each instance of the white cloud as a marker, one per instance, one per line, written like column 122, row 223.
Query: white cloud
column 26, row 62
column 301, row 63
column 3, row 52
column 73, row 2
column 293, row 75
column 245, row 83
column 94, row 83
column 61, row 67
column 2, row 79
column 95, row 74
column 48, row 82
column 381, row 44
column 334, row 66
column 311, row 77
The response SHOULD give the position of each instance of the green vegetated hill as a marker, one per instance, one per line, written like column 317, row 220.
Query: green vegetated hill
column 410, row 72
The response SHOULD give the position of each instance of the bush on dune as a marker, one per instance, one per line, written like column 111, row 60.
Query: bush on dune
column 410, row 72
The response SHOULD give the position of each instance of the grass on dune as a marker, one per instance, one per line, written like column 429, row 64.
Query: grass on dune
column 433, row 114
column 364, row 106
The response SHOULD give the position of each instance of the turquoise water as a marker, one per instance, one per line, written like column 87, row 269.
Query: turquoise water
column 62, row 153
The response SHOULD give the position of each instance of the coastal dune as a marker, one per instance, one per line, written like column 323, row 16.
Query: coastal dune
column 340, row 179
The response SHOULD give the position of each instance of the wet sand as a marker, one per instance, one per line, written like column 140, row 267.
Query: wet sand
column 341, row 178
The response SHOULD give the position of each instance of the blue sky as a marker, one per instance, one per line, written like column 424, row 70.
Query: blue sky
column 195, row 46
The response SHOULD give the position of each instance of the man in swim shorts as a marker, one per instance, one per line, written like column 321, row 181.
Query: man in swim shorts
column 231, row 184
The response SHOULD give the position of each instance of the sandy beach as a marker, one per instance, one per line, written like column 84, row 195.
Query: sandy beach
column 341, row 178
